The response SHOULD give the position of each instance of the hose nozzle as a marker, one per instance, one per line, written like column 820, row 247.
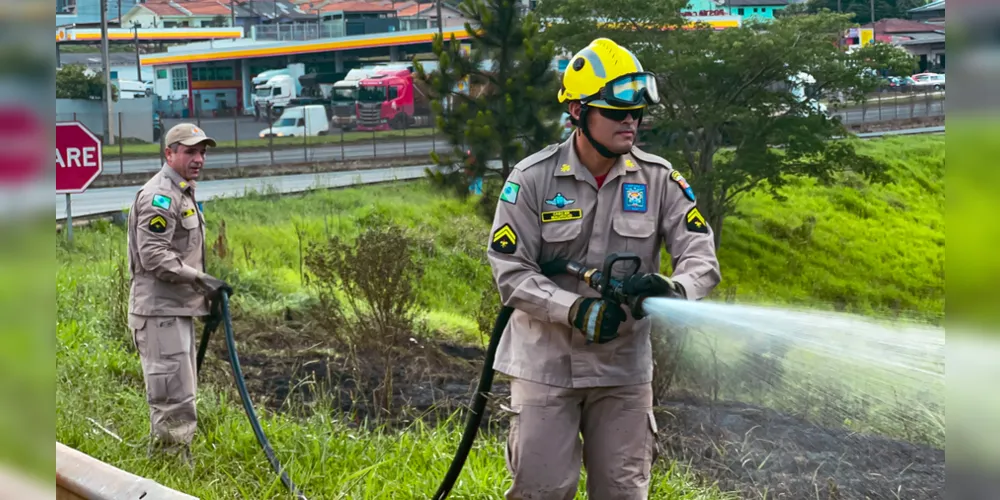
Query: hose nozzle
column 600, row 280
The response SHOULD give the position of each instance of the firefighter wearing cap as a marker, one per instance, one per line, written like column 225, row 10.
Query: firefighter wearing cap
column 169, row 286
column 580, row 364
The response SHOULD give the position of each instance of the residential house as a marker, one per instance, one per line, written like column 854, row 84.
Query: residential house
column 757, row 10
column 179, row 13
column 257, row 12
column 746, row 9
column 210, row 13
column 932, row 12
column 88, row 12
column 423, row 15
column 924, row 40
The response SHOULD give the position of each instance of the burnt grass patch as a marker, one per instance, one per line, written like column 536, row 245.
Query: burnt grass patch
column 751, row 450
column 360, row 351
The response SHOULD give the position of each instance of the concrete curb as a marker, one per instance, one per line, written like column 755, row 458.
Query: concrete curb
column 82, row 477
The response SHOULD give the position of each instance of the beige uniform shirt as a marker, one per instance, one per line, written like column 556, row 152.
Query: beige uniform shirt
column 551, row 208
column 166, row 248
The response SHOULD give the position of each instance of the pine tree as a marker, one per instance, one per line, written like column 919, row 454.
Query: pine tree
column 497, row 101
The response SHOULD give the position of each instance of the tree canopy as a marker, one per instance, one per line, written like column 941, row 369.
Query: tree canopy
column 73, row 82
column 742, row 107
column 498, row 100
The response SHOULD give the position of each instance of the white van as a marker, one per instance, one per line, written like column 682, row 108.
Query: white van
column 298, row 121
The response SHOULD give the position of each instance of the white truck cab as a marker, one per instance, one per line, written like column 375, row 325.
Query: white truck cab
column 299, row 121
column 276, row 93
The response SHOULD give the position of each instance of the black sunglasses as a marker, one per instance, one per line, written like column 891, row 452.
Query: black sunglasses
column 618, row 115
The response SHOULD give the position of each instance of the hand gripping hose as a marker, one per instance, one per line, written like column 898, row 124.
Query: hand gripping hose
column 234, row 362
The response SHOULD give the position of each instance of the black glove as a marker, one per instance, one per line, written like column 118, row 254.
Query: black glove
column 639, row 287
column 215, row 313
column 607, row 317
column 211, row 286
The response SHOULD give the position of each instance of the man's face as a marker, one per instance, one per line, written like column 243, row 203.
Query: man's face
column 614, row 128
column 187, row 160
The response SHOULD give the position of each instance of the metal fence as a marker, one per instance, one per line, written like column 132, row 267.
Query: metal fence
column 889, row 106
column 297, row 31
column 244, row 141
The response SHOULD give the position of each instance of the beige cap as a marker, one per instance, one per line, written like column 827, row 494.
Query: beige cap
column 187, row 134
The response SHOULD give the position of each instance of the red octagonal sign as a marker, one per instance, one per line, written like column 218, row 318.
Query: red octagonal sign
column 78, row 157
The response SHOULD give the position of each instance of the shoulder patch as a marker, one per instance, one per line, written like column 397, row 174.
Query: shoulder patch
column 158, row 224
column 682, row 182
column 161, row 201
column 504, row 240
column 509, row 192
column 537, row 158
column 650, row 158
column 695, row 222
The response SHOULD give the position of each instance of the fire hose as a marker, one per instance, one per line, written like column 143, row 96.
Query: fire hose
column 600, row 280
column 610, row 289
column 234, row 362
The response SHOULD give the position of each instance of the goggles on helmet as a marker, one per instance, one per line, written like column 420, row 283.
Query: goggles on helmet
column 629, row 90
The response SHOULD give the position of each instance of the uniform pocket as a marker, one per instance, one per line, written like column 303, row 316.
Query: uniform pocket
column 136, row 324
column 165, row 388
column 637, row 233
column 634, row 227
column 558, row 232
column 168, row 344
column 654, row 430
column 510, row 451
column 191, row 222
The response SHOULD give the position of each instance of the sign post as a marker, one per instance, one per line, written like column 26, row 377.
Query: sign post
column 79, row 160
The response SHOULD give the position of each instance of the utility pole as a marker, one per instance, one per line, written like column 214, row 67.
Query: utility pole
column 138, row 65
column 109, row 135
column 232, row 13
column 440, row 21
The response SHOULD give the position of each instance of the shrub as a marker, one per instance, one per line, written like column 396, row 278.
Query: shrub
column 378, row 275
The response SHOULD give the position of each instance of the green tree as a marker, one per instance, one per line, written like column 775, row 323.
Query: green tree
column 73, row 82
column 862, row 9
column 499, row 101
column 730, row 119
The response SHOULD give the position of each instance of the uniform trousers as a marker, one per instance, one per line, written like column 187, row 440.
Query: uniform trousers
column 544, row 447
column 167, row 351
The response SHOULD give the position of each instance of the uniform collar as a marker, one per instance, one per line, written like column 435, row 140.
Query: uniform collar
column 176, row 178
column 570, row 164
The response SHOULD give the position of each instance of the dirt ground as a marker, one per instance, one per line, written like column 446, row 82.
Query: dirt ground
column 752, row 449
column 747, row 449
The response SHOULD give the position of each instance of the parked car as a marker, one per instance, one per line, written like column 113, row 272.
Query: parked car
column 923, row 81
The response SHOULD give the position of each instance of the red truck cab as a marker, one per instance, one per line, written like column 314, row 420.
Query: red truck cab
column 388, row 100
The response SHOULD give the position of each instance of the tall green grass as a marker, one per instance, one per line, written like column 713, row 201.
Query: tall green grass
column 852, row 246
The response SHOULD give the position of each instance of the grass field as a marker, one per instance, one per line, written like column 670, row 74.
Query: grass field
column 850, row 246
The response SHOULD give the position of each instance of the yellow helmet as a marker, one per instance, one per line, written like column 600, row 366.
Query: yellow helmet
column 607, row 75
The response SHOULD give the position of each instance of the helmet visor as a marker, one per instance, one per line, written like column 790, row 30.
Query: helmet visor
column 632, row 90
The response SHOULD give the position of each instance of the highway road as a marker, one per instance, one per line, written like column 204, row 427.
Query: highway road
column 891, row 111
column 105, row 200
column 393, row 149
